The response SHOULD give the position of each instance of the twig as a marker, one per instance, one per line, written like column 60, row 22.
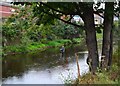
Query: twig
column 77, row 66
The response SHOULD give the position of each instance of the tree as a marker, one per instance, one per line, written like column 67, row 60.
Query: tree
column 91, row 36
column 111, row 10
column 107, row 35
column 17, row 24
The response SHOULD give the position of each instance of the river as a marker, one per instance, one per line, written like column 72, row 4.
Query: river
column 46, row 67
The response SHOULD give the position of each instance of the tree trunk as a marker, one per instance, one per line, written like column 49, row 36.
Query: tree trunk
column 91, row 39
column 119, row 37
column 111, row 50
column 107, row 35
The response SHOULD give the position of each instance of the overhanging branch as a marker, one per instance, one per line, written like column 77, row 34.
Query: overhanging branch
column 97, row 13
column 65, row 13
column 64, row 20
column 70, row 18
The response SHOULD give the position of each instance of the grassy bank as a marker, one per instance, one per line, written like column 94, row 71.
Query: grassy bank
column 41, row 46
column 105, row 77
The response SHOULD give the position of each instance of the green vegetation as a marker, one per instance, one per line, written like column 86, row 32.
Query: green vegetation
column 103, row 77
column 22, row 33
column 111, row 76
column 38, row 46
column 39, row 32
column 99, row 35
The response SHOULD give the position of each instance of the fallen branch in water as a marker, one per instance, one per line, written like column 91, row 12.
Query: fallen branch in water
column 77, row 66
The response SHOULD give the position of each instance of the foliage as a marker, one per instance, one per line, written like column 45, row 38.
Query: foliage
column 99, row 35
column 68, row 79
column 24, row 26
column 59, row 42
column 17, row 24
column 33, row 46
column 111, row 76
column 103, row 77
column 66, row 31
column 33, row 36
column 42, row 10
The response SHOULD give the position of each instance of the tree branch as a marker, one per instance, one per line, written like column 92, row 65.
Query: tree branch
column 69, row 13
column 97, row 13
column 78, row 10
column 70, row 18
column 64, row 20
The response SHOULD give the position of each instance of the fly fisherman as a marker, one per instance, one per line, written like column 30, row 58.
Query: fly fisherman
column 62, row 50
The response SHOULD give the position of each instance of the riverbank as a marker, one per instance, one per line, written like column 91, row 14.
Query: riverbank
column 111, row 76
column 103, row 77
column 41, row 46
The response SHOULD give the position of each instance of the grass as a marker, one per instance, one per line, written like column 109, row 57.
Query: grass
column 41, row 46
column 35, row 46
column 77, row 40
column 103, row 77
column 99, row 35
column 111, row 76
column 54, row 43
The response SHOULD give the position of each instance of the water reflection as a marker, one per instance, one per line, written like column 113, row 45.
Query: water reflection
column 43, row 68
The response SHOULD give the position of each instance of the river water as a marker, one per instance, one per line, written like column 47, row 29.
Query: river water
column 46, row 67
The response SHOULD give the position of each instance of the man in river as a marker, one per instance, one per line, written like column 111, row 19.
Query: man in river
column 62, row 50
